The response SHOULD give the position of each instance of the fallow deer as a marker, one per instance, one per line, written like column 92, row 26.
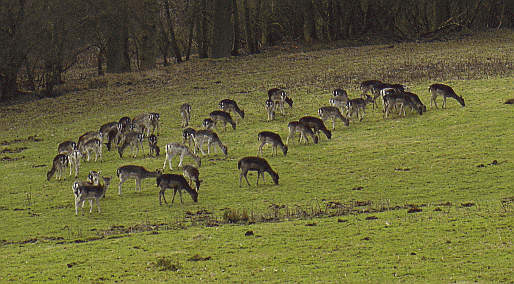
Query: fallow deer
column 173, row 149
column 135, row 172
column 296, row 126
column 224, row 117
column 316, row 125
column 91, row 193
column 211, row 138
column 231, row 105
column 445, row 91
column 256, row 164
column 59, row 163
column 333, row 113
column 267, row 137
column 185, row 114
column 193, row 174
column 177, row 183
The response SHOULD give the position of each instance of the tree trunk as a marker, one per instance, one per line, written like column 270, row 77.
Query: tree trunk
column 250, row 36
column 117, row 50
column 203, row 31
column 173, row 38
column 236, row 45
column 222, row 33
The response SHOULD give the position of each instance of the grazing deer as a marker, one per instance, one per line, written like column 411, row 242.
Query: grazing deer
column 296, row 126
column 377, row 88
column 267, row 137
column 177, row 183
column 223, row 117
column 367, row 86
column 145, row 121
column 135, row 172
column 84, row 138
column 188, row 135
column 74, row 162
column 333, row 113
column 358, row 106
column 59, row 163
column 134, row 139
column 92, row 193
column 193, row 174
column 256, row 164
column 152, row 144
column 270, row 109
column 109, row 131
column 211, row 138
column 339, row 93
column 393, row 99
column 185, row 113
column 279, row 97
column 340, row 102
column 208, row 124
column 231, row 105
column 445, row 91
column 415, row 99
column 93, row 145
column 67, row 147
column 173, row 149
column 124, row 126
column 316, row 125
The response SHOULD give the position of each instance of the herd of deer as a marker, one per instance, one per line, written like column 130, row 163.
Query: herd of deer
column 132, row 132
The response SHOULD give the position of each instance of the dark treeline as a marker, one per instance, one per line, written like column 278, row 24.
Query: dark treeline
column 41, row 39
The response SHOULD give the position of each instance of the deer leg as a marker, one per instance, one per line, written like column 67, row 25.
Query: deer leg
column 174, row 193
column 161, row 193
column 138, row 184
column 181, row 158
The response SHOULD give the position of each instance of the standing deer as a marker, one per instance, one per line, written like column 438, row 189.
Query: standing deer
column 173, row 149
column 152, row 144
column 270, row 109
column 109, row 132
column 358, row 106
column 85, row 192
column 134, row 139
column 267, row 137
column 296, row 126
column 223, row 117
column 333, row 113
column 316, row 125
column 177, row 183
column 445, row 91
column 211, row 138
column 185, row 113
column 193, row 174
column 59, row 163
column 256, row 164
column 146, row 121
column 279, row 97
column 231, row 105
column 135, row 172
column 188, row 135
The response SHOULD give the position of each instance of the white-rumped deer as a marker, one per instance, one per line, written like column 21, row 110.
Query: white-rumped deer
column 316, row 125
column 445, row 91
column 333, row 113
column 175, row 148
column 296, row 126
column 211, row 138
column 231, row 105
column 89, row 192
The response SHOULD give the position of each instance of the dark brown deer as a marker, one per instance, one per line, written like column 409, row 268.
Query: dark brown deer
column 316, row 125
column 256, row 164
column 177, row 183
column 231, row 105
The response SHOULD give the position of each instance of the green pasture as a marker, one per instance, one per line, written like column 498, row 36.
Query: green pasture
column 404, row 199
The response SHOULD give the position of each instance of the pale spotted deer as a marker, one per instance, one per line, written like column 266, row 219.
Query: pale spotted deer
column 89, row 192
column 445, row 91
column 173, row 149
column 211, row 138
column 303, row 129
column 256, row 164
column 93, row 145
column 134, row 172
column 333, row 113
column 267, row 137
column 146, row 121
column 185, row 114
column 177, row 183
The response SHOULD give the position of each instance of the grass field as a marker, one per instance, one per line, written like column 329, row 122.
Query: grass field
column 404, row 199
